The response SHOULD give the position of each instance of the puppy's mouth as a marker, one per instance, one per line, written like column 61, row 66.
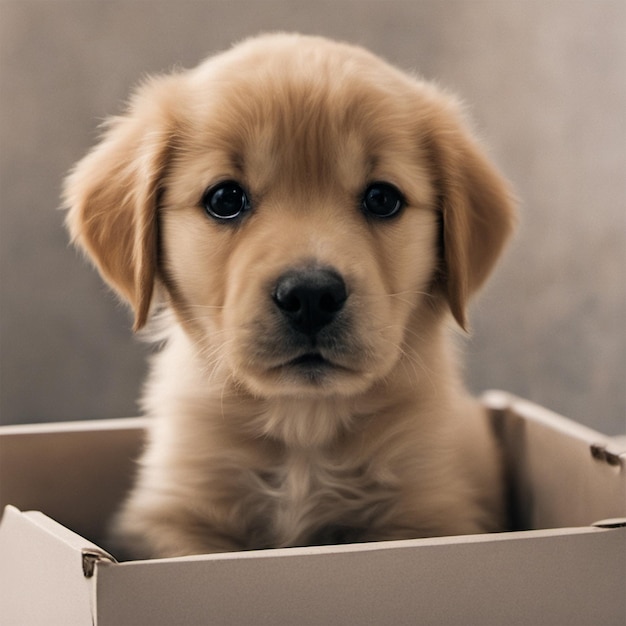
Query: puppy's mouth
column 309, row 369
column 310, row 365
column 311, row 359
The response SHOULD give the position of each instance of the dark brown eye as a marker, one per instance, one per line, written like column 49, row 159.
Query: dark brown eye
column 382, row 200
column 225, row 201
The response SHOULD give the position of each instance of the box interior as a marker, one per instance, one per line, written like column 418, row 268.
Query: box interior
column 559, row 474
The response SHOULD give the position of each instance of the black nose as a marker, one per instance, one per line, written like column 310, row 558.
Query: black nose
column 310, row 298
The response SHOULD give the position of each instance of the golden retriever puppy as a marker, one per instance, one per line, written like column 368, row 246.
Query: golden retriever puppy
column 306, row 221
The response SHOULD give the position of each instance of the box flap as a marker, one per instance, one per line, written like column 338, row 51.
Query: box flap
column 42, row 572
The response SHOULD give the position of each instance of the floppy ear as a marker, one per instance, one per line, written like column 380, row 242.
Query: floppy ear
column 477, row 209
column 112, row 195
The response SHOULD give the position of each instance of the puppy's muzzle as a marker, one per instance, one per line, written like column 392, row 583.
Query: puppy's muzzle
column 310, row 299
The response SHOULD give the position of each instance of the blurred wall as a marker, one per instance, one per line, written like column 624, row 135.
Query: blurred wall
column 546, row 85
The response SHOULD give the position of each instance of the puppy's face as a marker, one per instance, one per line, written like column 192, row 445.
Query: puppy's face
column 305, row 206
column 299, row 234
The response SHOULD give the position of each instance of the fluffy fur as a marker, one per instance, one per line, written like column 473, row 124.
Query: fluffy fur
column 376, row 439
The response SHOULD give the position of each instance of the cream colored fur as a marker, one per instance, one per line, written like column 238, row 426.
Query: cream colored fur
column 245, row 451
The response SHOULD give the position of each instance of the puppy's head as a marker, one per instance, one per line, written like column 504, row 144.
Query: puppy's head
column 307, row 210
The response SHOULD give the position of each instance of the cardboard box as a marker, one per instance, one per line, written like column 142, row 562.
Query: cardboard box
column 565, row 566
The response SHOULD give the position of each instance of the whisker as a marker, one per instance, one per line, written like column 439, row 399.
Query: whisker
column 408, row 292
column 410, row 354
column 205, row 306
column 401, row 296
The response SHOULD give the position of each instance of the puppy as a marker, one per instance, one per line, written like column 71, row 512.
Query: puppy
column 306, row 221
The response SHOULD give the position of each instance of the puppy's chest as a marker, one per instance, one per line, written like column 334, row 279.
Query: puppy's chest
column 313, row 499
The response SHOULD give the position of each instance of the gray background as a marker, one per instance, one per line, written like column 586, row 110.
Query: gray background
column 546, row 85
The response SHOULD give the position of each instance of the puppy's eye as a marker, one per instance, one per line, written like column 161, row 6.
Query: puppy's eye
column 382, row 200
column 225, row 201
